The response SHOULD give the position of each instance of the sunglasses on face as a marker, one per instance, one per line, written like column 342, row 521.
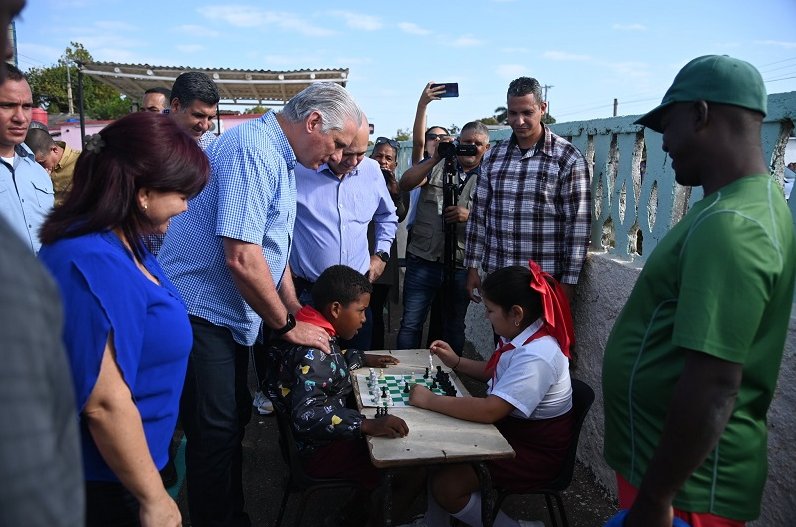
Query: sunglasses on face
column 436, row 137
column 392, row 142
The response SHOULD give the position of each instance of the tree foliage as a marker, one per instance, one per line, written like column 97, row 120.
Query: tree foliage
column 501, row 115
column 403, row 134
column 257, row 109
column 49, row 87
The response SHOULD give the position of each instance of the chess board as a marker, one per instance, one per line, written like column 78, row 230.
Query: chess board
column 395, row 387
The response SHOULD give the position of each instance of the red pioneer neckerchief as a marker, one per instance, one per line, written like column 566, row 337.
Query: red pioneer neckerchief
column 313, row 316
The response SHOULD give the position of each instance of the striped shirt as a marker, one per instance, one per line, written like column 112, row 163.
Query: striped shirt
column 535, row 206
column 333, row 215
column 251, row 197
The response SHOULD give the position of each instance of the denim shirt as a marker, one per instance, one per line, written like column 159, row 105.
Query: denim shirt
column 26, row 195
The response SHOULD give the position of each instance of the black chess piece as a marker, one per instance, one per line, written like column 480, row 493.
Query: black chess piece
column 406, row 387
column 439, row 372
column 434, row 384
column 384, row 411
column 384, row 391
column 378, row 411
column 425, row 375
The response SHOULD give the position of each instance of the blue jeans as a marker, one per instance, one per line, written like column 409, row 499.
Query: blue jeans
column 422, row 280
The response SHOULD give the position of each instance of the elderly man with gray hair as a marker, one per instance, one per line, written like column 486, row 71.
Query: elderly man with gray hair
column 228, row 257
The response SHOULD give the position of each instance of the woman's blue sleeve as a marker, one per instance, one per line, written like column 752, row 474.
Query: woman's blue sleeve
column 101, row 296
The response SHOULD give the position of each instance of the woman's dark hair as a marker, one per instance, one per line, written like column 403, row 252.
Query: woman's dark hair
column 440, row 127
column 511, row 286
column 140, row 150
column 425, row 152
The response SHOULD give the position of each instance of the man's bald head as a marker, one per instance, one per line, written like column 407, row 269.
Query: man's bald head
column 354, row 153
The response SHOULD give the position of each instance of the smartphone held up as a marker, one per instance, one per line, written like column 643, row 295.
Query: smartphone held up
column 451, row 89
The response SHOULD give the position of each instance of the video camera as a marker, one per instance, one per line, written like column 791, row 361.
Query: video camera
column 447, row 149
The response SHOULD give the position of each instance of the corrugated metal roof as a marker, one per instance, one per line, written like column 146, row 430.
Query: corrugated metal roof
column 234, row 85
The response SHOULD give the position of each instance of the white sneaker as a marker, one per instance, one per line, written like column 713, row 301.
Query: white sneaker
column 530, row 523
column 262, row 403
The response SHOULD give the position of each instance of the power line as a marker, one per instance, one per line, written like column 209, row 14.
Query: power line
column 779, row 68
column 29, row 59
column 778, row 61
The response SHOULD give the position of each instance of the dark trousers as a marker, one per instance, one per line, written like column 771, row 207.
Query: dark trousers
column 109, row 504
column 215, row 408
column 378, row 299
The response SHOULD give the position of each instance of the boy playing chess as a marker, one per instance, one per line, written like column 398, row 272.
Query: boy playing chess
column 315, row 390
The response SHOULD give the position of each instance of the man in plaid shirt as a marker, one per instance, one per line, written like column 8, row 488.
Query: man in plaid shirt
column 533, row 199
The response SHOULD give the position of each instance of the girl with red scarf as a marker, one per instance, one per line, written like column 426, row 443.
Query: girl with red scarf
column 529, row 394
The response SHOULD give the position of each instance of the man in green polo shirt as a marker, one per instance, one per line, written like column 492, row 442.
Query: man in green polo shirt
column 692, row 361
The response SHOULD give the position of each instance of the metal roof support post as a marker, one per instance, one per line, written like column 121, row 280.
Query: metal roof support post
column 80, row 103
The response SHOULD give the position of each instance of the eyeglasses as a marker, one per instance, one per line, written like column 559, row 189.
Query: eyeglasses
column 392, row 142
column 436, row 137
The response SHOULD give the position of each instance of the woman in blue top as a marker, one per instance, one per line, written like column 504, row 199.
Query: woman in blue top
column 126, row 328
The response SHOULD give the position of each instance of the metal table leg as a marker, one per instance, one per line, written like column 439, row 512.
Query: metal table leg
column 487, row 496
column 387, row 478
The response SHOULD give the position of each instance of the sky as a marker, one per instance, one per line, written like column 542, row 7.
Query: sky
column 587, row 52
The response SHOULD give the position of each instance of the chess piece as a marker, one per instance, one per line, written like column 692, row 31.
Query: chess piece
column 425, row 376
column 406, row 387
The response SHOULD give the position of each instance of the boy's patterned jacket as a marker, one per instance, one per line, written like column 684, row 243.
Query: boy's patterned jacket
column 315, row 390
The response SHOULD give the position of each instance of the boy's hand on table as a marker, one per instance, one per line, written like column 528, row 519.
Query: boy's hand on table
column 385, row 426
column 380, row 361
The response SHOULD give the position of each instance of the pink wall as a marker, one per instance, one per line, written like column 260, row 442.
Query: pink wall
column 70, row 132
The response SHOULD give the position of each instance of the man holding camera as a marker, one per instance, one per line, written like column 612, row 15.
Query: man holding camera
column 533, row 201
column 425, row 270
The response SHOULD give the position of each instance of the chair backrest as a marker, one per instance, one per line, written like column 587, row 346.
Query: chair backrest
column 290, row 451
column 292, row 456
column 582, row 399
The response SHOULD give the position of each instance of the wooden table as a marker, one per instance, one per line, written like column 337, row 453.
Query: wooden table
column 434, row 438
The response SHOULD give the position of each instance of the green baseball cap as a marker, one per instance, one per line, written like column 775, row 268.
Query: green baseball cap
column 713, row 78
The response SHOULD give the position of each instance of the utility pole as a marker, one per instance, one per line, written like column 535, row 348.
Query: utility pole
column 616, row 106
column 545, row 88
column 69, row 87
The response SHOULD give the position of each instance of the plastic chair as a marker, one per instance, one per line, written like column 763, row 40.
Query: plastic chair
column 582, row 399
column 296, row 480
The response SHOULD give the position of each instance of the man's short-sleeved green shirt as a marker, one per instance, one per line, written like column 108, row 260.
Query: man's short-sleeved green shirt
column 720, row 282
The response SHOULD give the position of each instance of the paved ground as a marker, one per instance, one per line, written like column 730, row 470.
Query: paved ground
column 586, row 503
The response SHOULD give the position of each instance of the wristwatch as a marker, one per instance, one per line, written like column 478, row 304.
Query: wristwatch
column 385, row 256
column 290, row 324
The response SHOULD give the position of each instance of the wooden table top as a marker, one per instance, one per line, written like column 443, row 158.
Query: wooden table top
column 433, row 437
